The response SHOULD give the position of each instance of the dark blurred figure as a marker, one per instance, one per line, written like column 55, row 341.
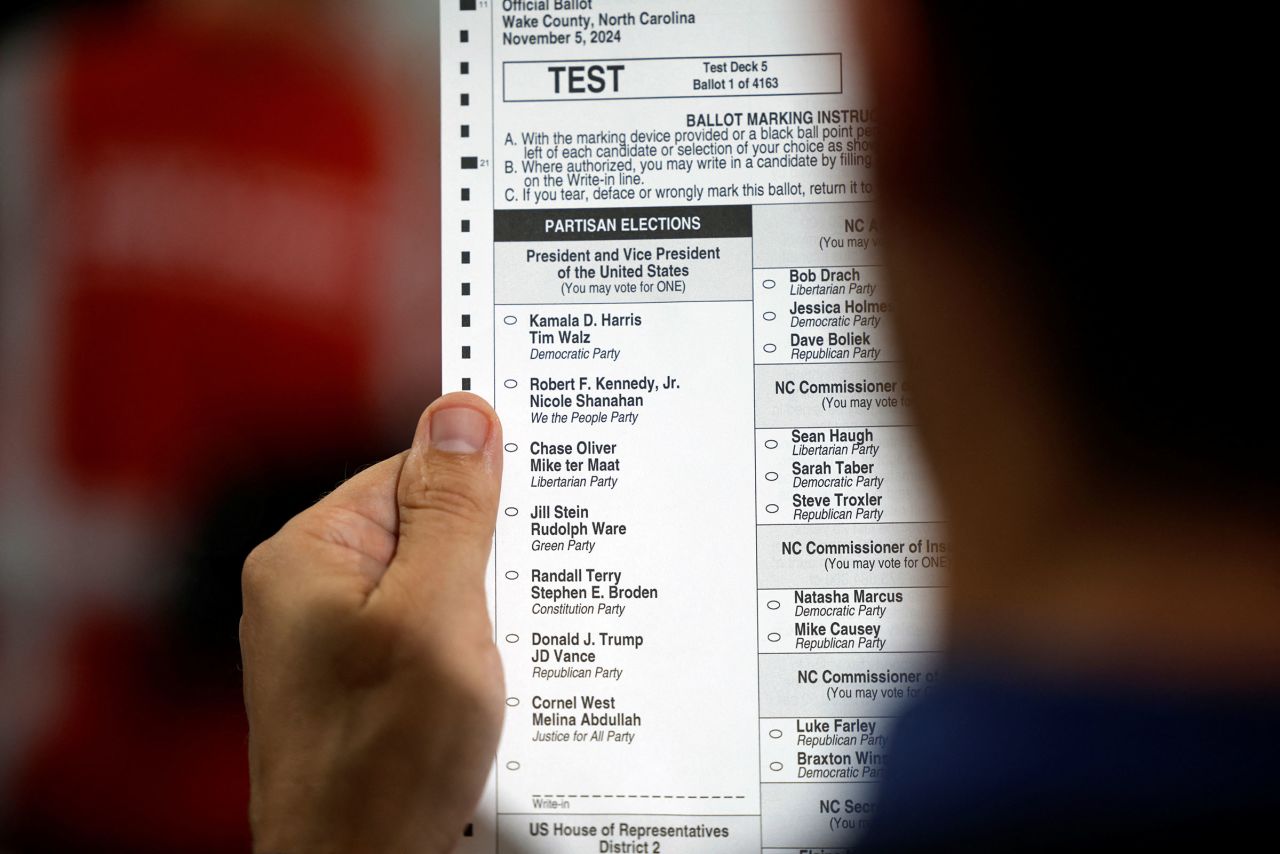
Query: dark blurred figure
column 217, row 269
column 1078, row 260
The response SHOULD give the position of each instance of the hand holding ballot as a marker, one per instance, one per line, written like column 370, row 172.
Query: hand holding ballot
column 370, row 668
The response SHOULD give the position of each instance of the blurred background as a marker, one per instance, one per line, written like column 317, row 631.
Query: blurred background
column 218, row 298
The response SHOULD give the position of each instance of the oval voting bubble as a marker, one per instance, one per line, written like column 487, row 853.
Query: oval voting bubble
column 768, row 284
column 512, row 638
column 774, row 605
column 510, row 320
column 769, row 315
column 512, row 447
column 513, row 766
column 771, row 475
column 774, row 637
column 771, row 443
column 511, row 511
column 775, row 733
column 512, row 575
column 775, row 766
column 513, row 701
column 509, row 383
column 769, row 348
column 771, row 508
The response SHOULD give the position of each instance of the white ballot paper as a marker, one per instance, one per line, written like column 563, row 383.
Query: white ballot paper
column 716, row 575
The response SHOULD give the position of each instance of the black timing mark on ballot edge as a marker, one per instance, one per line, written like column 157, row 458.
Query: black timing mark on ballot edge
column 656, row 223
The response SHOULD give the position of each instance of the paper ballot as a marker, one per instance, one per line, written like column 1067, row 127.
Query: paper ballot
column 717, row 571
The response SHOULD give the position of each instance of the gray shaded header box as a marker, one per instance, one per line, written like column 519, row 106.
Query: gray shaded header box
column 840, row 395
column 816, row 235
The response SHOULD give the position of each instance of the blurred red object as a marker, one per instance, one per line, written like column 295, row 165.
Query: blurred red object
column 236, row 231
column 131, row 764
column 220, row 199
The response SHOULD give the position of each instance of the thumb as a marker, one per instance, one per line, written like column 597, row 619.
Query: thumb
column 447, row 496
